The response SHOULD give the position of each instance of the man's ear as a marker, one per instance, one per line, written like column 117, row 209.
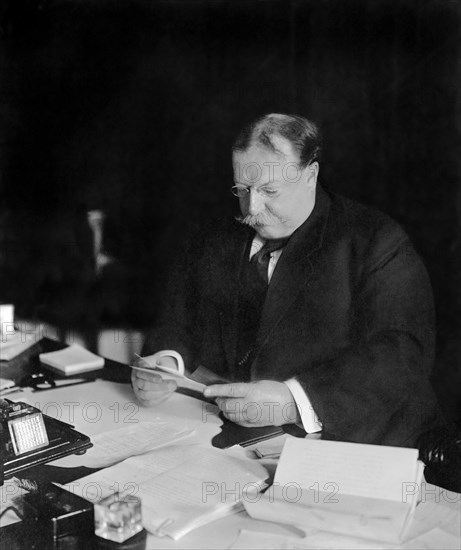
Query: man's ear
column 312, row 174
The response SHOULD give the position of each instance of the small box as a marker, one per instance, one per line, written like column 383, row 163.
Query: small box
column 58, row 511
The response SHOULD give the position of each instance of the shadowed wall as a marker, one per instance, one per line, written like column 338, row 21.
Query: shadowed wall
column 131, row 107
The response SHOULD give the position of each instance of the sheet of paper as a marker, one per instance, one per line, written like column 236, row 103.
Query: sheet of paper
column 439, row 508
column 181, row 380
column 257, row 540
column 367, row 518
column 6, row 383
column 377, row 472
column 181, row 487
column 117, row 445
column 435, row 539
column 103, row 406
column 14, row 343
column 127, row 476
column 207, row 486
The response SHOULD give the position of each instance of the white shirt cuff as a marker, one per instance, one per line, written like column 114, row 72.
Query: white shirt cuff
column 311, row 423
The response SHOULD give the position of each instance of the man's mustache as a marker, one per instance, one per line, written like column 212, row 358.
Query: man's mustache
column 264, row 218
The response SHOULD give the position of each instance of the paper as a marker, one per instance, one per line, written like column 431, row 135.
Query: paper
column 436, row 521
column 72, row 360
column 344, row 488
column 117, row 445
column 168, row 374
column 13, row 343
column 181, row 487
column 6, row 383
column 435, row 539
column 315, row 540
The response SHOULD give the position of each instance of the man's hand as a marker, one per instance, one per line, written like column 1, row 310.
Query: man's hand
column 149, row 388
column 263, row 403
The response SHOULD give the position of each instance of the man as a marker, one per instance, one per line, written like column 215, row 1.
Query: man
column 317, row 308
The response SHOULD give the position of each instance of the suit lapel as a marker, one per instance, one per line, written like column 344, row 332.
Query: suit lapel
column 234, row 254
column 293, row 268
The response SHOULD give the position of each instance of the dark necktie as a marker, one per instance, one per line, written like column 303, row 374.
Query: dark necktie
column 261, row 259
column 254, row 284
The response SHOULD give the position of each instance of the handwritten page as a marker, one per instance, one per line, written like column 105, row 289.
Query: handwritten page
column 117, row 445
column 373, row 471
column 181, row 487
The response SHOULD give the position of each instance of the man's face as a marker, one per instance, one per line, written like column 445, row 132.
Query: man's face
column 280, row 194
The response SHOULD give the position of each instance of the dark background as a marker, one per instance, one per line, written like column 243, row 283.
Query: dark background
column 131, row 107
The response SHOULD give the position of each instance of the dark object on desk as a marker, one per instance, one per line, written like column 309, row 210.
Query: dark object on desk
column 37, row 381
column 233, row 434
column 58, row 512
column 440, row 450
column 25, row 535
column 42, row 382
column 29, row 438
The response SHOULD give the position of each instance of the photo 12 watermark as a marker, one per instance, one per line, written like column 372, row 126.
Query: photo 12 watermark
column 428, row 493
column 251, row 492
column 91, row 412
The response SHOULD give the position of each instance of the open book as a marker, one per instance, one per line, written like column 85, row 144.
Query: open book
column 367, row 491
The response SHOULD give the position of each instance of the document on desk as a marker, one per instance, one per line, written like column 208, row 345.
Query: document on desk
column 117, row 445
column 367, row 491
column 181, row 487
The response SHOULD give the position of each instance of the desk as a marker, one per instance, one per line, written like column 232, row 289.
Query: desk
column 102, row 405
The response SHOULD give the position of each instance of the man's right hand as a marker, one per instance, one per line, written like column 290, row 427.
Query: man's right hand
column 149, row 388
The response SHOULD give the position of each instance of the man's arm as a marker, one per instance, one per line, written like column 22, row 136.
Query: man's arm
column 378, row 390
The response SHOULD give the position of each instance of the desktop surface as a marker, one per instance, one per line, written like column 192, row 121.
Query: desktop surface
column 107, row 402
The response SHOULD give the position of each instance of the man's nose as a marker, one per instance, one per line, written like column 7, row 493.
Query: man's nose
column 255, row 202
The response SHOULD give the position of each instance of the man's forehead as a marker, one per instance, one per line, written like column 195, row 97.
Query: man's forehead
column 261, row 165
column 282, row 152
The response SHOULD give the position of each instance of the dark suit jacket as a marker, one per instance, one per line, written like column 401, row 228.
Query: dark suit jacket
column 348, row 312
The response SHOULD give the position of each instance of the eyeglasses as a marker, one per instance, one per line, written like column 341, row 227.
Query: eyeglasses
column 242, row 191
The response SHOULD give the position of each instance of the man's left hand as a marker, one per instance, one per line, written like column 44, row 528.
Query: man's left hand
column 262, row 403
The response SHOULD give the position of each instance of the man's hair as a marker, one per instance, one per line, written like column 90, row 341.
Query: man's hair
column 303, row 135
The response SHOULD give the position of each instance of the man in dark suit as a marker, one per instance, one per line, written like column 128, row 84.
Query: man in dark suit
column 317, row 308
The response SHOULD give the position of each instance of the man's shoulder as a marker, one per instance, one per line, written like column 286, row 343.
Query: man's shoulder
column 366, row 232
column 353, row 218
